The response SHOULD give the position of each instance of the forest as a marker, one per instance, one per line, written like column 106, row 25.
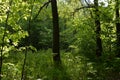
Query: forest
column 59, row 40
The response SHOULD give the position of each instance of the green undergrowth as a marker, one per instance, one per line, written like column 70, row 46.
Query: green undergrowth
column 39, row 65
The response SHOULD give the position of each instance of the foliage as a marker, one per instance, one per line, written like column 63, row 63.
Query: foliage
column 76, row 67
column 77, row 41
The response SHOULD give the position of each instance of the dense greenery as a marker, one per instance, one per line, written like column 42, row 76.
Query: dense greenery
column 89, row 38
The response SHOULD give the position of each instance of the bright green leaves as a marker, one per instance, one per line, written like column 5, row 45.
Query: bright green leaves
column 10, row 26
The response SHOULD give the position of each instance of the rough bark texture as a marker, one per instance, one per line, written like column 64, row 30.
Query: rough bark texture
column 98, row 30
column 56, row 52
column 117, row 28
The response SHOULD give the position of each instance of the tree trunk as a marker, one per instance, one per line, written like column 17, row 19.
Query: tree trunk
column 98, row 30
column 117, row 28
column 56, row 51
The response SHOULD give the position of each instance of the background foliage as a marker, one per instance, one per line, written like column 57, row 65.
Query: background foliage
column 25, row 23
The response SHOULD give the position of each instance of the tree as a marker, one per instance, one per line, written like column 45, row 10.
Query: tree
column 56, row 51
column 3, row 39
column 98, row 29
column 117, row 27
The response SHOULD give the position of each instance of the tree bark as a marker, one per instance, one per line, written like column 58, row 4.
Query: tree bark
column 98, row 30
column 117, row 28
column 56, row 51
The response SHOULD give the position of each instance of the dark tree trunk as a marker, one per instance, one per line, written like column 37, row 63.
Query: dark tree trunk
column 56, row 51
column 98, row 30
column 117, row 28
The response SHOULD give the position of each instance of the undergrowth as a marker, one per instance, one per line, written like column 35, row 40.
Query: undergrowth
column 39, row 65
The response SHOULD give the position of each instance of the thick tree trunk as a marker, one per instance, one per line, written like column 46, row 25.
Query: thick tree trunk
column 56, row 51
column 98, row 30
column 117, row 28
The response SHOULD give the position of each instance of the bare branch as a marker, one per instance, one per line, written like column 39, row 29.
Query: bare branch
column 44, row 5
column 77, row 9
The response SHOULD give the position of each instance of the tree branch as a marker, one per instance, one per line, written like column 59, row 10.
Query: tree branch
column 77, row 9
column 44, row 5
